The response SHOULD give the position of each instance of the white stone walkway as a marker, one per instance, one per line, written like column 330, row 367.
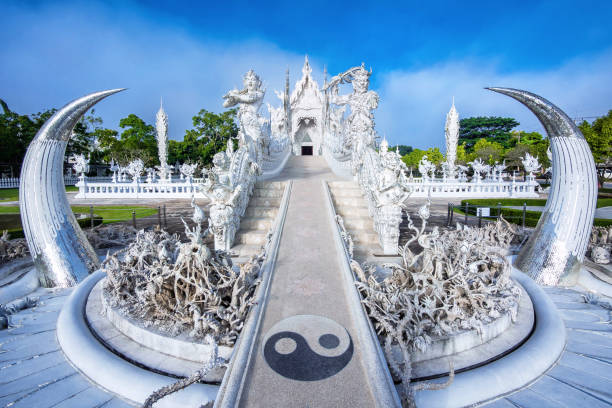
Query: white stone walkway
column 33, row 369
column 583, row 375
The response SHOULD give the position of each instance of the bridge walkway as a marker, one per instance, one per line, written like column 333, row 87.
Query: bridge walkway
column 306, row 281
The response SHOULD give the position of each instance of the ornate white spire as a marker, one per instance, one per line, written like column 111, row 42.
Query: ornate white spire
column 306, row 83
column 451, row 130
column 161, row 125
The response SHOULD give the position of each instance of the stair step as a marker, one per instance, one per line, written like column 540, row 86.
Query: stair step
column 359, row 223
column 345, row 192
column 348, row 212
column 270, row 185
column 350, row 201
column 364, row 237
column 251, row 237
column 343, row 184
column 245, row 251
column 264, row 202
column 253, row 211
column 256, row 223
column 267, row 192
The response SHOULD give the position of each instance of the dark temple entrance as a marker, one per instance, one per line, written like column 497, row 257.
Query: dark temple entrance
column 306, row 150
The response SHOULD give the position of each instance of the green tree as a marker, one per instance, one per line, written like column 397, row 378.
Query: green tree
column 434, row 155
column 16, row 133
column 487, row 151
column 403, row 149
column 136, row 141
column 496, row 129
column 209, row 135
column 413, row 158
column 462, row 156
column 599, row 137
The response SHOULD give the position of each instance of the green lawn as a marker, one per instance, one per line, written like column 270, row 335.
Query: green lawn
column 535, row 202
column 515, row 215
column 10, row 220
column 12, row 194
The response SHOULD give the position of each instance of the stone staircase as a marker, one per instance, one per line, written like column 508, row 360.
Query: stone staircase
column 353, row 209
column 258, row 219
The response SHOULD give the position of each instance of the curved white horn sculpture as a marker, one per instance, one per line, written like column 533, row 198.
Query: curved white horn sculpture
column 553, row 254
column 60, row 251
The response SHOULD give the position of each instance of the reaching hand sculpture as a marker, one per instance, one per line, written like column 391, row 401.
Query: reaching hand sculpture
column 360, row 122
column 252, row 124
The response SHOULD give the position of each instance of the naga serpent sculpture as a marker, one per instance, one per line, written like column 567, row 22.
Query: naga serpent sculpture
column 554, row 252
column 61, row 253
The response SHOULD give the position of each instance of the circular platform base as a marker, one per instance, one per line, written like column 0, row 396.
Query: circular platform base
column 470, row 348
column 146, row 347
column 109, row 371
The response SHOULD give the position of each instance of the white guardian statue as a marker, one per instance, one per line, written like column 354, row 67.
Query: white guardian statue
column 360, row 122
column 252, row 125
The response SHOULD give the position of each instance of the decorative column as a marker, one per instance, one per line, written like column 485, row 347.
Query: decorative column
column 451, row 131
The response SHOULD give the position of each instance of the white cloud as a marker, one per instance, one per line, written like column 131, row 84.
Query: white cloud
column 414, row 104
column 63, row 53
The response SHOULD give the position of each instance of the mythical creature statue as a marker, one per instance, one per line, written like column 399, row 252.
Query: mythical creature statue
column 223, row 197
column 390, row 195
column 531, row 164
column 360, row 122
column 135, row 168
column 462, row 172
column 479, row 167
column 81, row 164
column 498, row 169
column 188, row 170
column 255, row 128
column 427, row 168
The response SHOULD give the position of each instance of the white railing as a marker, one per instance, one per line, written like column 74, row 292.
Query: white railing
column 493, row 189
column 13, row 182
column 183, row 189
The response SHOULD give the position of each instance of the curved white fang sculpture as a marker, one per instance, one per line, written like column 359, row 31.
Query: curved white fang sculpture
column 556, row 249
column 59, row 248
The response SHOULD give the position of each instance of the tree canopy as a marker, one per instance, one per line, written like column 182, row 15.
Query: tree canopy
column 493, row 128
column 599, row 137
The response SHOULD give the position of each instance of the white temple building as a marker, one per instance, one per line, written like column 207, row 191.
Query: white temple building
column 306, row 113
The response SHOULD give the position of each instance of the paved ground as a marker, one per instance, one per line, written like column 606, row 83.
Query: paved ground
column 306, row 282
column 34, row 373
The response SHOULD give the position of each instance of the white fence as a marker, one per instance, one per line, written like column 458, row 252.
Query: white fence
column 69, row 181
column 180, row 189
column 484, row 189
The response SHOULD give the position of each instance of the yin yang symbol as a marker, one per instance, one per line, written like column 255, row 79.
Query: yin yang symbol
column 307, row 348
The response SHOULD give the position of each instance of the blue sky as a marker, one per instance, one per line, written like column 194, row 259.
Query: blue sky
column 422, row 54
